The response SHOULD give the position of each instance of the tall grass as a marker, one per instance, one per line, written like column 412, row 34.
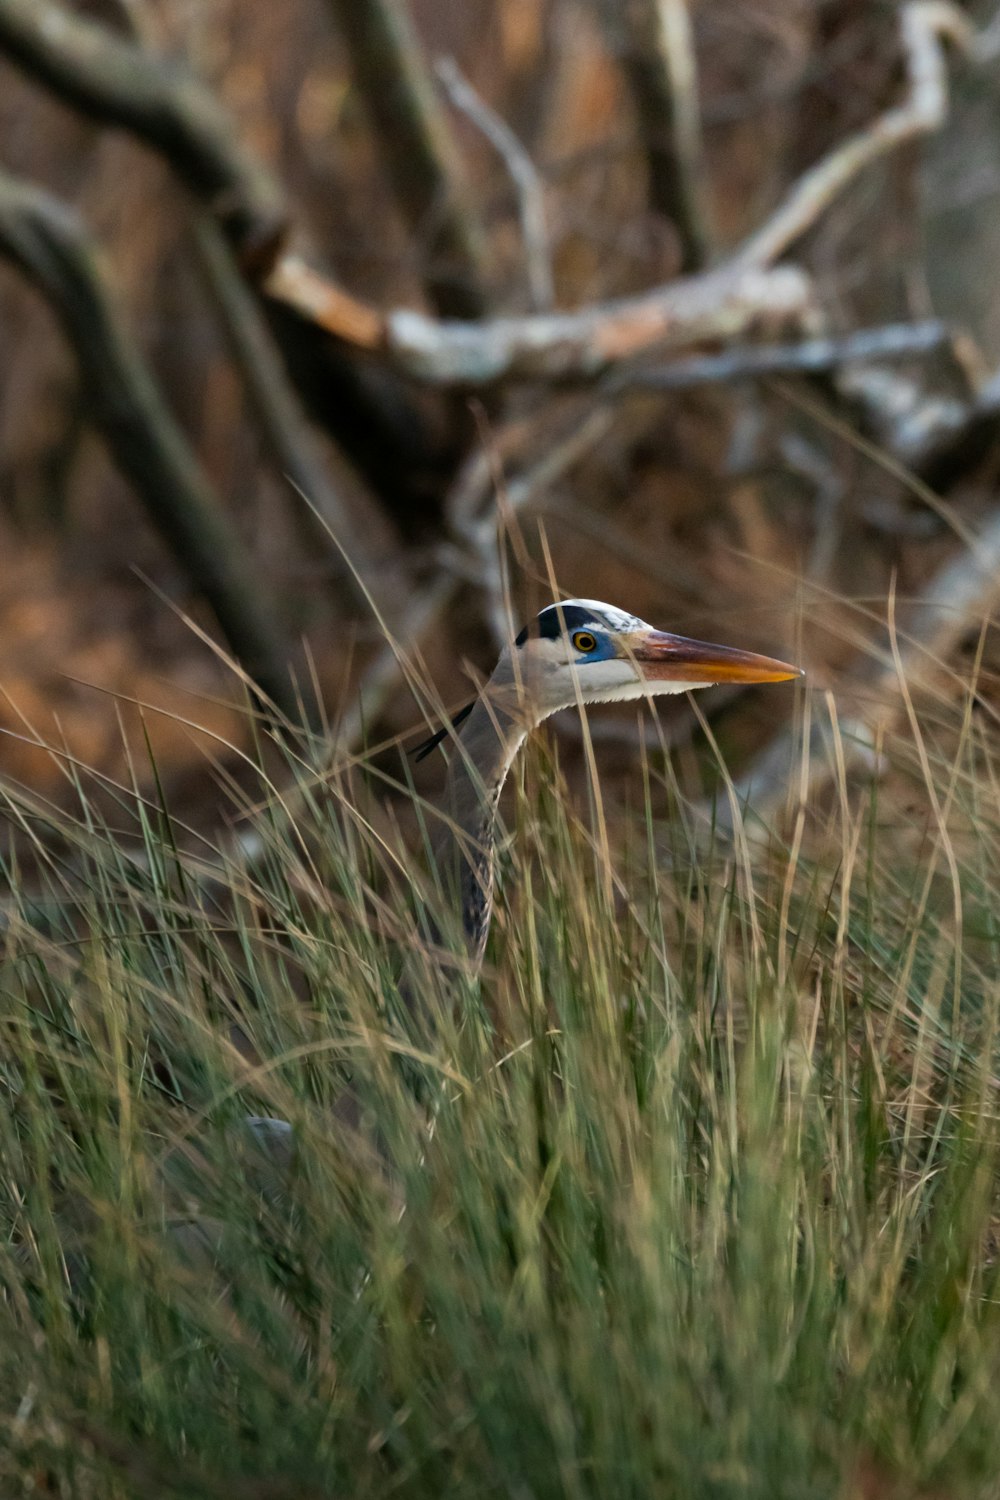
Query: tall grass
column 694, row 1194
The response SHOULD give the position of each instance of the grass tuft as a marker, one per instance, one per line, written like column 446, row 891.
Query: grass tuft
column 695, row 1194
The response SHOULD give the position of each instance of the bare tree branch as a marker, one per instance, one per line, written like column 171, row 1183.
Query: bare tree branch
column 51, row 247
column 418, row 150
column 940, row 438
column 120, row 82
column 559, row 346
column 269, row 389
column 114, row 82
column 720, row 304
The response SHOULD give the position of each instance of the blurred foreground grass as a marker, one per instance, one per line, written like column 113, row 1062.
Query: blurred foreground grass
column 694, row 1194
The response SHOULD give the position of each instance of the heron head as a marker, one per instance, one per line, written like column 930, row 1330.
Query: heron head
column 583, row 651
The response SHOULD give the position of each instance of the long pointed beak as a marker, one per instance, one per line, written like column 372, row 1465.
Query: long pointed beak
column 674, row 658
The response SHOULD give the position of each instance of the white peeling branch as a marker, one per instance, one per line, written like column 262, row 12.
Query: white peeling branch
column 582, row 345
column 555, row 347
column 724, row 304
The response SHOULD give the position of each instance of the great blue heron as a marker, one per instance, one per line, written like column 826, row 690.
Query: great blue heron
column 575, row 653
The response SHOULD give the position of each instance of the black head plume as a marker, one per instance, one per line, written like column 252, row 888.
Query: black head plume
column 425, row 748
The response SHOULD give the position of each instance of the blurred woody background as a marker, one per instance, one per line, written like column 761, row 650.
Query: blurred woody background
column 691, row 302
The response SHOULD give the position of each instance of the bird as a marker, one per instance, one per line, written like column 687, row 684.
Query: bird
column 575, row 652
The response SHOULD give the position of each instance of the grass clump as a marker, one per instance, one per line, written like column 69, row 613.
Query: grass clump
column 695, row 1194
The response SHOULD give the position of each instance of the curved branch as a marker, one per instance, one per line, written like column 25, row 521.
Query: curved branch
column 51, row 247
column 115, row 82
column 524, row 176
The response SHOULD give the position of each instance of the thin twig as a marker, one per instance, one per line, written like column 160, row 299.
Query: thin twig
column 523, row 173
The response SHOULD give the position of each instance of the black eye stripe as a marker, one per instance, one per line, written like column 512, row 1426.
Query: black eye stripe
column 552, row 621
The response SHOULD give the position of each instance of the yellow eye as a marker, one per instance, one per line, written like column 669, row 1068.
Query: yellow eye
column 584, row 641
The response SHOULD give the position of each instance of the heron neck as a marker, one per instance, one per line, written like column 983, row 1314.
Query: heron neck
column 477, row 770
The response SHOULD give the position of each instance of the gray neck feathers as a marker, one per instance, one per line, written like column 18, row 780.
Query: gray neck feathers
column 464, row 850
